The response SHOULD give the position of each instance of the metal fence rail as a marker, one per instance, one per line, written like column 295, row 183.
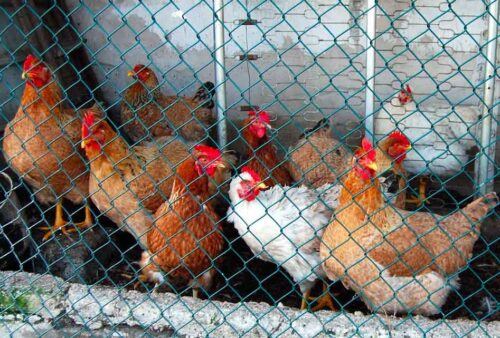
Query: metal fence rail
column 315, row 155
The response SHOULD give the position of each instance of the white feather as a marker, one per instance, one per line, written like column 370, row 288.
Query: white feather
column 283, row 226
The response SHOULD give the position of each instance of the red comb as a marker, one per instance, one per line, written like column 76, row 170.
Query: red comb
column 263, row 116
column 400, row 138
column 368, row 149
column 210, row 152
column 138, row 68
column 29, row 62
column 408, row 89
column 252, row 173
column 88, row 122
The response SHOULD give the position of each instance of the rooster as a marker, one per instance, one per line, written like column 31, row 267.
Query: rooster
column 39, row 145
column 262, row 156
column 282, row 226
column 186, row 237
column 317, row 158
column 145, row 108
column 398, row 261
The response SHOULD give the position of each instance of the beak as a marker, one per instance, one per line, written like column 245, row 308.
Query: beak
column 409, row 148
column 84, row 142
column 373, row 166
column 221, row 165
column 131, row 73
column 24, row 76
column 262, row 186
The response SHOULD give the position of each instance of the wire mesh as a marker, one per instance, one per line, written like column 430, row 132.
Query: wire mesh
column 106, row 126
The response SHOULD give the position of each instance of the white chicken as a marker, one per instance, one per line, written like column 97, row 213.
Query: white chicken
column 284, row 226
column 440, row 138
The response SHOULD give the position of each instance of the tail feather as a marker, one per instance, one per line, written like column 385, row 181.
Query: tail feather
column 205, row 95
column 481, row 206
column 322, row 124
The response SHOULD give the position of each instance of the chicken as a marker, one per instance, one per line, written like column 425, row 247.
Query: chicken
column 186, row 237
column 441, row 136
column 146, row 112
column 317, row 158
column 262, row 156
column 129, row 184
column 283, row 226
column 398, row 261
column 390, row 154
column 39, row 145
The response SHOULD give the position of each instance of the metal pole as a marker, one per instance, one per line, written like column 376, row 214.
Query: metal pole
column 370, row 69
column 220, row 75
column 487, row 151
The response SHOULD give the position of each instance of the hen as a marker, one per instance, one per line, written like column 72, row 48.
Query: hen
column 283, row 226
column 146, row 112
column 129, row 184
column 186, row 239
column 317, row 158
column 39, row 144
column 262, row 156
column 398, row 261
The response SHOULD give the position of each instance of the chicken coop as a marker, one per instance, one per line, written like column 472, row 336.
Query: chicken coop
column 277, row 168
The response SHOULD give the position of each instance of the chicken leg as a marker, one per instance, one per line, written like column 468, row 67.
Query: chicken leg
column 305, row 297
column 60, row 223
column 421, row 198
column 88, row 221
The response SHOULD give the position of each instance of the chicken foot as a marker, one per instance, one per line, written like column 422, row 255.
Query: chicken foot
column 88, row 221
column 325, row 300
column 59, row 224
column 421, row 198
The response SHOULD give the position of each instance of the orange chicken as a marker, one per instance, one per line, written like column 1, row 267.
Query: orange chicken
column 186, row 239
column 397, row 261
column 41, row 144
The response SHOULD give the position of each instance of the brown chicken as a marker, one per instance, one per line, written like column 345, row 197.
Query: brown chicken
column 317, row 159
column 40, row 144
column 129, row 184
column 186, row 237
column 147, row 113
column 390, row 154
column 262, row 156
column 398, row 261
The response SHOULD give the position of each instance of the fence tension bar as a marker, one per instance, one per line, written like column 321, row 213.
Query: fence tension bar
column 220, row 75
column 486, row 170
column 370, row 70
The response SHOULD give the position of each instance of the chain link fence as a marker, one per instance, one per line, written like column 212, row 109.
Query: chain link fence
column 213, row 149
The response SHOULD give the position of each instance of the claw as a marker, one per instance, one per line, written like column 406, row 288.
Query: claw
column 421, row 198
column 325, row 301
column 141, row 279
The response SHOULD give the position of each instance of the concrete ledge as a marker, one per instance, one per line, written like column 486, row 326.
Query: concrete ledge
column 57, row 308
